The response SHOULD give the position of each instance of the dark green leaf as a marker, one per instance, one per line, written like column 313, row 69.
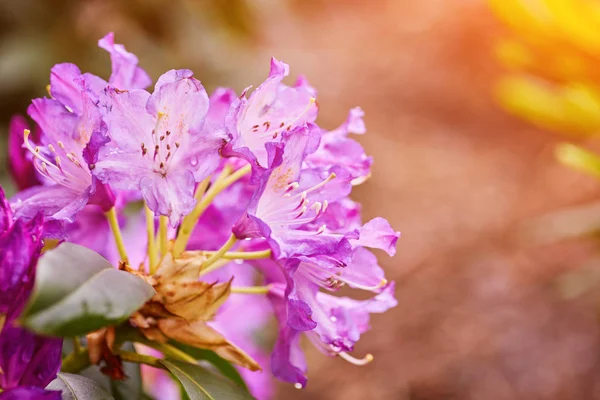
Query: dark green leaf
column 223, row 366
column 78, row 291
column 202, row 384
column 77, row 387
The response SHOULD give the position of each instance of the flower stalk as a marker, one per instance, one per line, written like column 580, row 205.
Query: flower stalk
column 163, row 222
column 219, row 253
column 113, row 221
column 152, row 255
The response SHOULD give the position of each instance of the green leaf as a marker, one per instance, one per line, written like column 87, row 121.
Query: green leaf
column 224, row 367
column 201, row 384
column 127, row 333
column 78, row 291
column 77, row 387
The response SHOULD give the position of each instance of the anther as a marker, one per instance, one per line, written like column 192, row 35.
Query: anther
column 292, row 186
column 177, row 144
column 52, row 149
column 61, row 144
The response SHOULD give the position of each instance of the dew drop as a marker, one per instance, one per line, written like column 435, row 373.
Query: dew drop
column 194, row 161
column 298, row 385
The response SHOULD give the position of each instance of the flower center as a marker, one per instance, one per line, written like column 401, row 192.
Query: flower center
column 164, row 147
column 294, row 206
column 72, row 173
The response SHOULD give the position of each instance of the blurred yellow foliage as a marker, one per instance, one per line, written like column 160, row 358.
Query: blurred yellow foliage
column 552, row 54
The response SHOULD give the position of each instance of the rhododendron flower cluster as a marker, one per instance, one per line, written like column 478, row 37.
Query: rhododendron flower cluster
column 194, row 219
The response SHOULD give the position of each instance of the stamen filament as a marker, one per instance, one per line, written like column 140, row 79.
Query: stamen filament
column 163, row 221
column 152, row 255
column 381, row 284
column 219, row 253
column 356, row 361
column 111, row 215
column 251, row 289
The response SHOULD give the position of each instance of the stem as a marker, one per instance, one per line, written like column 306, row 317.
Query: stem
column 217, row 255
column 77, row 348
column 244, row 255
column 76, row 361
column 162, row 230
column 129, row 356
column 172, row 352
column 152, row 256
column 116, row 231
column 251, row 289
column 223, row 181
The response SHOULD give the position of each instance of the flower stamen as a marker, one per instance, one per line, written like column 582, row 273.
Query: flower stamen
column 356, row 361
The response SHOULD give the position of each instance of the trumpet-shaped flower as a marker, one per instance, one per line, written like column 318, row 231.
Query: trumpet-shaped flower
column 285, row 202
column 19, row 163
column 28, row 362
column 337, row 149
column 257, row 124
column 157, row 143
column 72, row 131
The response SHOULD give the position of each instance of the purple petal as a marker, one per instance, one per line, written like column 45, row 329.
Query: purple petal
column 55, row 202
column 271, row 110
column 378, row 234
column 183, row 102
column 125, row 72
column 220, row 103
column 171, row 195
column 299, row 316
column 19, row 251
column 55, row 121
column 45, row 362
column 363, row 271
column 287, row 360
column 342, row 320
column 30, row 393
column 5, row 212
column 20, row 165
column 122, row 162
column 65, row 86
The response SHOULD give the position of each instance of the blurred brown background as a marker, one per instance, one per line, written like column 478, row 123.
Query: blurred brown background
column 496, row 285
